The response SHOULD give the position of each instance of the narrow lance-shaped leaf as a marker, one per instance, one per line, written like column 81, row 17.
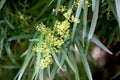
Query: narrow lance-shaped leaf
column 97, row 42
column 41, row 74
column 93, row 25
column 53, row 72
column 48, row 71
column 2, row 2
column 78, row 12
column 84, row 60
column 25, row 36
column 56, row 68
column 68, row 60
column 26, row 61
column 112, row 7
column 93, row 5
column 72, row 58
column 117, row 2
column 9, row 52
column 58, row 6
column 85, row 12
column 94, row 20
column 37, row 64
column 55, row 56
column 9, row 24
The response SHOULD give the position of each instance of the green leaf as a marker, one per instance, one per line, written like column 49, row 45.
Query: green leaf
column 1, row 47
column 55, row 56
column 116, row 75
column 25, row 36
column 94, row 20
column 26, row 61
column 72, row 58
column 58, row 6
column 2, row 2
column 9, row 24
column 84, row 60
column 9, row 52
column 48, row 71
column 54, row 71
column 117, row 3
column 77, row 15
column 85, row 13
column 93, row 5
column 56, row 68
column 113, row 9
column 68, row 60
column 70, row 3
column 41, row 74
column 24, row 66
column 37, row 64
column 97, row 42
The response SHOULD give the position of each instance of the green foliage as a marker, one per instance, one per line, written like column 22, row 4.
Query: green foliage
column 87, row 23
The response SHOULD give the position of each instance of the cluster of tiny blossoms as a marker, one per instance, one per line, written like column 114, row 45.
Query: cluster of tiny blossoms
column 54, row 37
column 68, row 14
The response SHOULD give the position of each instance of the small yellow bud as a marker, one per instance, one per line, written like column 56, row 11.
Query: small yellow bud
column 68, row 14
column 75, row 20
column 62, row 9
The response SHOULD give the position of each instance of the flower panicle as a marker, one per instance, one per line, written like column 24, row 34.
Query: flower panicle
column 54, row 36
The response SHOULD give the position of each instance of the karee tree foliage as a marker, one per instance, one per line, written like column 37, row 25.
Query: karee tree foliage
column 40, row 39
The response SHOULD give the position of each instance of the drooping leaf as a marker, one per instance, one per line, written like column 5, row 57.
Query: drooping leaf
column 94, row 20
column 55, row 56
column 97, row 42
column 117, row 3
column 84, row 60
column 2, row 2
column 68, row 60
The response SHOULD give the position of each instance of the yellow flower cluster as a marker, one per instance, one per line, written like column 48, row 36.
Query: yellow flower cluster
column 44, row 62
column 62, row 8
column 51, row 38
column 54, row 37
column 76, row 2
column 68, row 14
column 62, row 28
column 42, row 28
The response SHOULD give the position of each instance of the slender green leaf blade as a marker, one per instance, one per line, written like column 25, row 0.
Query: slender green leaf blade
column 54, row 70
column 41, row 74
column 37, row 65
column 93, row 5
column 112, row 7
column 117, row 2
column 25, row 36
column 78, row 12
column 85, row 13
column 94, row 20
column 2, row 2
column 58, row 6
column 26, row 61
column 68, row 61
column 9, row 24
column 84, row 60
column 9, row 52
column 55, row 57
column 72, row 58
column 97, row 42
